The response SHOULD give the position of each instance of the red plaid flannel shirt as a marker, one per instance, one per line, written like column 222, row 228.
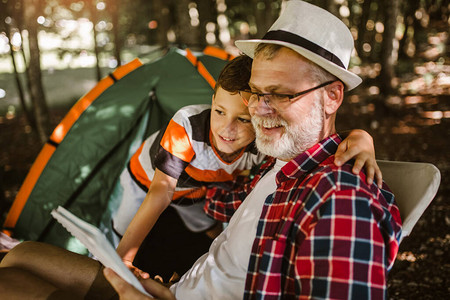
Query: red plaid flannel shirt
column 220, row 204
column 324, row 233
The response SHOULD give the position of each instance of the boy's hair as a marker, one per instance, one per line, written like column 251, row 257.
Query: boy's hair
column 235, row 75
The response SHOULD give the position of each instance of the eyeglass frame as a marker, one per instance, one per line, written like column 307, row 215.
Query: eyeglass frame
column 289, row 96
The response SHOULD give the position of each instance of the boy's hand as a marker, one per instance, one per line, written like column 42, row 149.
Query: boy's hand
column 359, row 146
column 137, row 272
column 128, row 292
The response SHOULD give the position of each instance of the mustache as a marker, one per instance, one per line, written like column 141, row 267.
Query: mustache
column 277, row 121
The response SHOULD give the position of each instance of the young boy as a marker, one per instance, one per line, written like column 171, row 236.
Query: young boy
column 202, row 147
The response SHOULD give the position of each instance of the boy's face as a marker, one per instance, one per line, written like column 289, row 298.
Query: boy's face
column 231, row 126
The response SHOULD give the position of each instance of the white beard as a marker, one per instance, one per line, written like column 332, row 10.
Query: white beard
column 296, row 138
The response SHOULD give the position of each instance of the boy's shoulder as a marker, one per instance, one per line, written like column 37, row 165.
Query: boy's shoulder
column 194, row 118
column 191, row 110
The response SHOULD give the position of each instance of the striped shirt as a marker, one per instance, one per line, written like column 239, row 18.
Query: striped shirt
column 184, row 151
column 323, row 234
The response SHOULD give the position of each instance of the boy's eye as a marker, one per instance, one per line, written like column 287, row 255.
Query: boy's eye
column 244, row 120
column 219, row 112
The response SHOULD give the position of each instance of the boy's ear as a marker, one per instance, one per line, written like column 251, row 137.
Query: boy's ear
column 335, row 96
column 212, row 98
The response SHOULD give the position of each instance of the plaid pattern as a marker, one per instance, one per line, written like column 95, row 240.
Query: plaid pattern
column 221, row 204
column 324, row 233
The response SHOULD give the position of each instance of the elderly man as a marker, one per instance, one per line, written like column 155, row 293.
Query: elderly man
column 307, row 228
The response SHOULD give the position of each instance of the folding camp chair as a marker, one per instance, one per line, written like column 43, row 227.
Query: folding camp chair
column 414, row 186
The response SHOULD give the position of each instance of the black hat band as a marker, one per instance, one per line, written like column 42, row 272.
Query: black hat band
column 284, row 36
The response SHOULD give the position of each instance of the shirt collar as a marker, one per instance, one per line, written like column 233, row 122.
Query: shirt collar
column 310, row 159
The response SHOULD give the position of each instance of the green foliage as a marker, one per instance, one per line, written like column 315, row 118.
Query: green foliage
column 143, row 22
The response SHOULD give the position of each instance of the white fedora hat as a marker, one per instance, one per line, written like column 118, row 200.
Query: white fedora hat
column 315, row 34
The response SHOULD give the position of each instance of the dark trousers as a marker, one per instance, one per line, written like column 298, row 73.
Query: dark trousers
column 170, row 247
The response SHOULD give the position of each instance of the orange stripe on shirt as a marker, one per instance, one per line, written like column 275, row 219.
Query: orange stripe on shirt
column 176, row 142
column 137, row 170
column 210, row 175
column 190, row 194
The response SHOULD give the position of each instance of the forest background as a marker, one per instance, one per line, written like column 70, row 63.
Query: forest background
column 54, row 51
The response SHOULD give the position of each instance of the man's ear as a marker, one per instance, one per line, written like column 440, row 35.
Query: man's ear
column 335, row 93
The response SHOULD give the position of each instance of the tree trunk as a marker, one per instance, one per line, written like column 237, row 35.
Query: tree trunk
column 37, row 95
column 27, row 71
column 93, row 13
column 410, row 20
column 160, row 12
column 265, row 16
column 187, row 35
column 207, row 13
column 23, row 104
column 377, row 48
column 27, row 113
column 362, row 28
column 114, row 8
column 389, row 52
column 332, row 7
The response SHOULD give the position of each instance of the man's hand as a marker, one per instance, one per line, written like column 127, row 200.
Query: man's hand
column 137, row 272
column 359, row 145
column 128, row 292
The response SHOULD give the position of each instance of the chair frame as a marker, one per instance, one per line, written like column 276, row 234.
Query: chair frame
column 414, row 185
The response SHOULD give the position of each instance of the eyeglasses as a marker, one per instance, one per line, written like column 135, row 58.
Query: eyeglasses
column 276, row 101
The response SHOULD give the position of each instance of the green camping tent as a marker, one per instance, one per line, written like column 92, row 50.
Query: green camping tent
column 79, row 166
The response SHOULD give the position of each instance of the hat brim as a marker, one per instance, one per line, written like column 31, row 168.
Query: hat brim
column 350, row 79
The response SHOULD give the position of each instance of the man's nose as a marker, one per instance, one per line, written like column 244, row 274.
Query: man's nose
column 262, row 107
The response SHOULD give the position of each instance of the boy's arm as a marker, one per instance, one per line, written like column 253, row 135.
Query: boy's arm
column 358, row 145
column 156, row 201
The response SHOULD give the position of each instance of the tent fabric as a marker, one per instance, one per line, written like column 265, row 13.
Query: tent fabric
column 80, row 165
column 58, row 135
